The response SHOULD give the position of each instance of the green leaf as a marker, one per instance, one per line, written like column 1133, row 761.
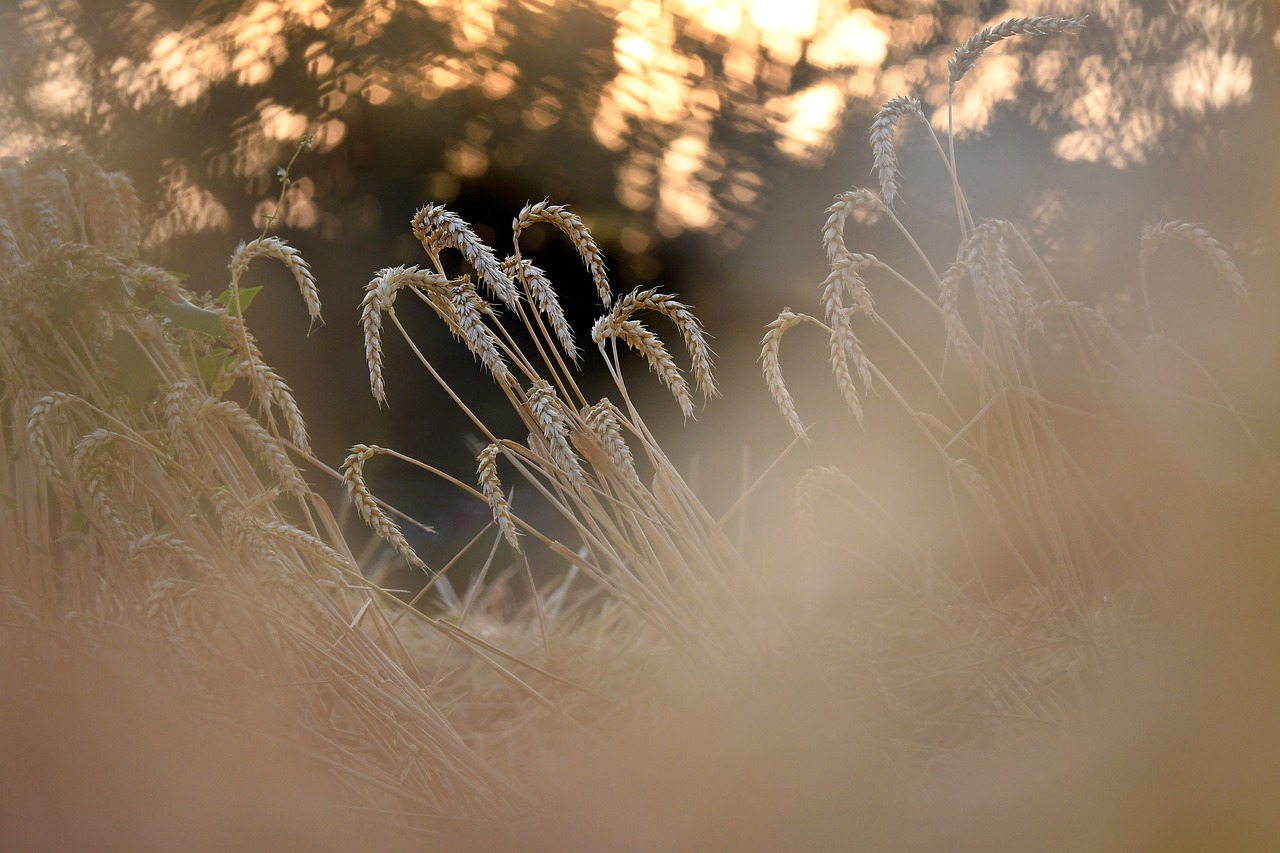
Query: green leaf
column 193, row 317
column 213, row 369
column 227, row 298
column 136, row 376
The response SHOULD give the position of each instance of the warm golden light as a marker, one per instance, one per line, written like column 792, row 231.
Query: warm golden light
column 785, row 73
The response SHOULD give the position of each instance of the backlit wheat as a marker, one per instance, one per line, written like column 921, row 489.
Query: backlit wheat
column 277, row 249
column 379, row 297
column 435, row 226
column 491, row 487
column 886, row 158
column 362, row 498
column 771, row 364
column 969, row 52
column 573, row 227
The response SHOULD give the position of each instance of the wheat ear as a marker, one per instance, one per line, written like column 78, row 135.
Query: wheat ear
column 573, row 228
column 1199, row 237
column 602, row 421
column 804, row 505
column 549, row 414
column 491, row 487
column 379, row 297
column 690, row 330
column 277, row 249
column 544, row 299
column 771, row 364
column 353, row 478
column 1042, row 25
column 634, row 334
column 886, row 158
column 436, row 228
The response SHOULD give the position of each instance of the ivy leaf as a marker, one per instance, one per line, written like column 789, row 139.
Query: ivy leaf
column 193, row 317
column 213, row 370
column 228, row 300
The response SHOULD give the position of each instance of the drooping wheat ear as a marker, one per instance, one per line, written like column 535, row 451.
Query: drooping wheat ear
column 266, row 446
column 804, row 505
column 838, row 213
column 844, row 346
column 379, row 297
column 171, row 595
column 188, row 413
column 969, row 52
column 602, row 421
column 573, row 228
column 467, row 310
column 167, row 543
column 127, row 211
column 263, row 525
column 978, row 488
column 10, row 251
column 770, row 356
column 695, row 340
column 544, row 299
column 886, row 158
column 1198, row 236
column 362, row 498
column 277, row 249
column 1087, row 316
column 272, row 389
column 1000, row 287
column 949, row 302
column 109, row 203
column 91, row 464
column 549, row 414
column 634, row 334
column 438, row 228
column 491, row 487
column 14, row 607
column 38, row 430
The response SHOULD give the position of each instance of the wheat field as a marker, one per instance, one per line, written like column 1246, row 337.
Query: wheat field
column 1042, row 620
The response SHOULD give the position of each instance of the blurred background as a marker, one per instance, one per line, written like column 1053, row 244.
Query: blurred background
column 700, row 140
